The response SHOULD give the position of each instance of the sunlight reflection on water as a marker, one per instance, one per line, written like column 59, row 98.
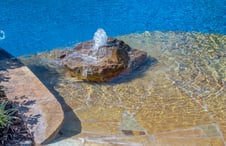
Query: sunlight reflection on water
column 2, row 35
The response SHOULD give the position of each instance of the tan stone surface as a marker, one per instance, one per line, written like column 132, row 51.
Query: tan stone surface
column 45, row 111
column 103, row 128
column 166, row 108
column 92, row 114
column 119, row 141
column 189, row 137
column 193, row 132
column 189, row 142
column 217, row 106
column 177, row 100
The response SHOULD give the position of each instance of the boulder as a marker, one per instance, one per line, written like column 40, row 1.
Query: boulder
column 109, row 61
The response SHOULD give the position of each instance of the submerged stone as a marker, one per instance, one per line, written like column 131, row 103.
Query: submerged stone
column 179, row 100
column 108, row 62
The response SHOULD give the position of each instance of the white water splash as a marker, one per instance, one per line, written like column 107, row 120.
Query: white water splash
column 100, row 39
column 2, row 35
column 85, row 58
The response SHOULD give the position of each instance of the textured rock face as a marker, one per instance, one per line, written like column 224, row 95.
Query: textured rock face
column 109, row 61
column 36, row 102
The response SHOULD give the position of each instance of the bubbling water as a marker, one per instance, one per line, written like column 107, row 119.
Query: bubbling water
column 100, row 39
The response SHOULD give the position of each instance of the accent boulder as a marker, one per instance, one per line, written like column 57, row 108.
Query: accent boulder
column 109, row 61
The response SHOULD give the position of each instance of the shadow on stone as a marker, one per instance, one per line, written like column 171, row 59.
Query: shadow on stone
column 135, row 73
column 44, row 73
column 23, row 105
column 7, row 61
column 19, row 130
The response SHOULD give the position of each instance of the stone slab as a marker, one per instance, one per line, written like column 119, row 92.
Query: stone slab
column 176, row 101
column 41, row 109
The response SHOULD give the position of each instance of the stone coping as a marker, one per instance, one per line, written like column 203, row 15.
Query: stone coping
column 39, row 106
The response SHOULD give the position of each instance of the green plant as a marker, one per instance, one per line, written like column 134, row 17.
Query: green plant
column 6, row 115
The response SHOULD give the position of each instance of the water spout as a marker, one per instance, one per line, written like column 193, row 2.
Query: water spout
column 100, row 39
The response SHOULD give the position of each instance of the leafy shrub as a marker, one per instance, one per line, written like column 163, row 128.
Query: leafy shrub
column 6, row 115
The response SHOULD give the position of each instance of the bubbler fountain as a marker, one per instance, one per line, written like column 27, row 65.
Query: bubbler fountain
column 102, row 58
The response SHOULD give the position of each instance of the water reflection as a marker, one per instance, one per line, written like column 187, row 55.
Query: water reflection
column 2, row 35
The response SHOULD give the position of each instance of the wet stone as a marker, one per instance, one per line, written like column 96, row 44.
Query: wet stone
column 109, row 61
column 179, row 100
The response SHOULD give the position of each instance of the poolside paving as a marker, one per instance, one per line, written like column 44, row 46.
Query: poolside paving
column 178, row 100
column 40, row 109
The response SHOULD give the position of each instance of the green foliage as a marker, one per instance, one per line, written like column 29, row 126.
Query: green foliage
column 6, row 115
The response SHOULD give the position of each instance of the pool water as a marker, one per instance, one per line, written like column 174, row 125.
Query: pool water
column 179, row 99
column 40, row 25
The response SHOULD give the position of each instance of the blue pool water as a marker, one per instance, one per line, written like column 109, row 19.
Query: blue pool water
column 40, row 25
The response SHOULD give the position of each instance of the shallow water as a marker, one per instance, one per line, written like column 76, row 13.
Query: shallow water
column 184, row 90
